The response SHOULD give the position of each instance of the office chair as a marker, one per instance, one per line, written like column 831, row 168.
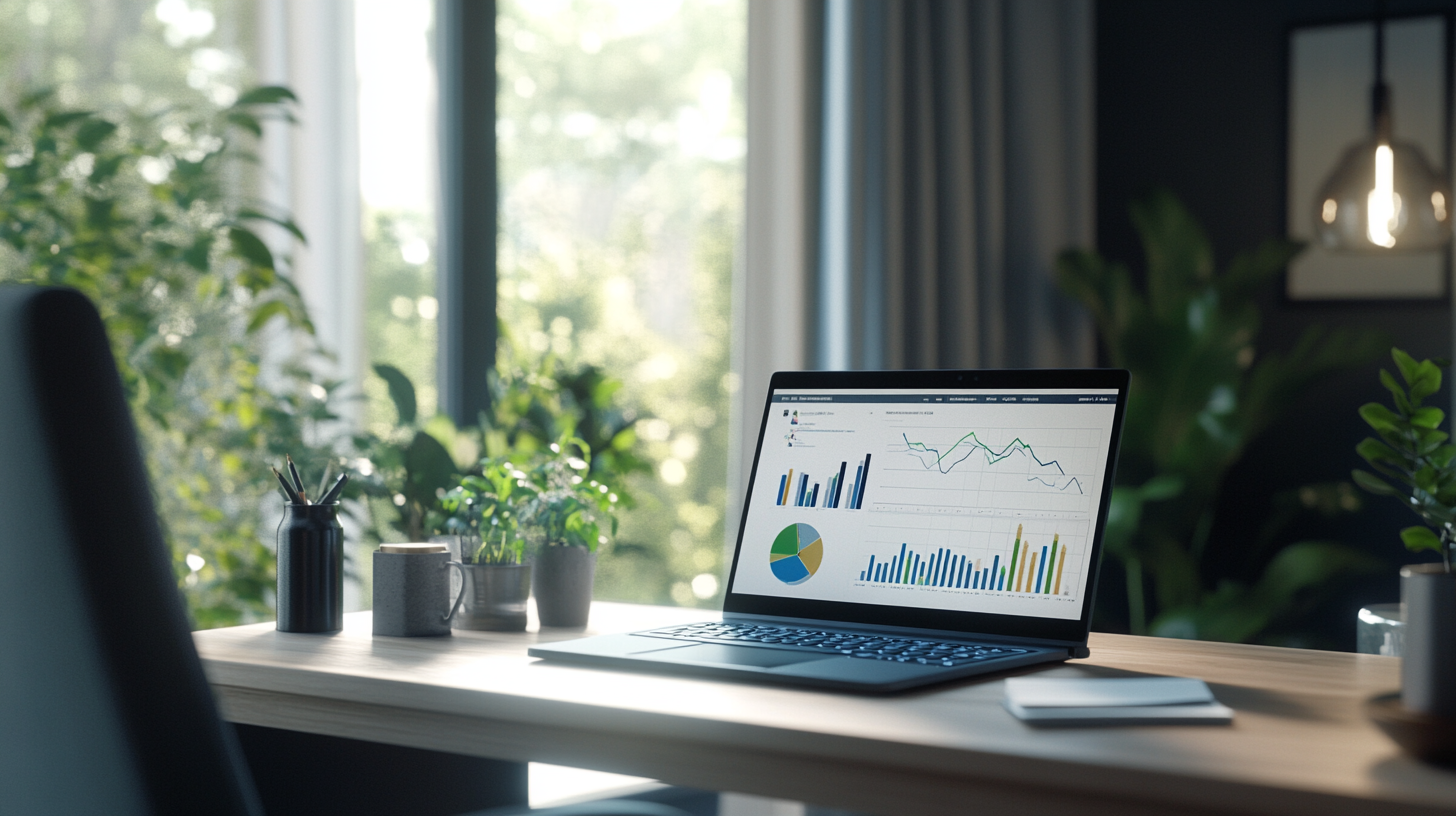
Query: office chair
column 103, row 704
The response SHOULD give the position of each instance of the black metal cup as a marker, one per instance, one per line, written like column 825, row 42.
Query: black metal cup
column 311, row 569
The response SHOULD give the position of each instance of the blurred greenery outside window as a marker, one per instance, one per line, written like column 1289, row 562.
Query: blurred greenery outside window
column 621, row 135
column 621, row 138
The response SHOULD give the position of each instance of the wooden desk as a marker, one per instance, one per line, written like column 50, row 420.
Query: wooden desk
column 1299, row 743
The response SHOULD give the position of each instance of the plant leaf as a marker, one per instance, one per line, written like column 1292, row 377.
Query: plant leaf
column 1406, row 364
column 1375, row 485
column 246, row 121
column 250, row 247
column 1373, row 450
column 1379, row 417
column 1162, row 487
column 265, row 311
column 430, row 468
column 90, row 135
column 1420, row 538
column 401, row 390
column 265, row 95
column 286, row 223
column 1428, row 417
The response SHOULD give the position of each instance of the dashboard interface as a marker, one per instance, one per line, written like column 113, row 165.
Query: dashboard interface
column 956, row 499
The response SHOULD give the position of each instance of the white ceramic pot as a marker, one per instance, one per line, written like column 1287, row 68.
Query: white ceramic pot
column 1428, row 665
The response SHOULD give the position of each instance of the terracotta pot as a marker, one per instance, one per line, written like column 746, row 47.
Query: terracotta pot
column 1428, row 665
column 563, row 585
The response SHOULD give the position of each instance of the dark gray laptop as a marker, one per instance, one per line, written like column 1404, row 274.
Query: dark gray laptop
column 905, row 528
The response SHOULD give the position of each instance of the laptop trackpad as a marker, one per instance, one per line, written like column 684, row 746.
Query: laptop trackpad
column 735, row 656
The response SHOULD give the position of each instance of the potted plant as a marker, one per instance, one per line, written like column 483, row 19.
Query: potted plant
column 566, row 514
column 498, row 581
column 1202, row 391
column 1416, row 464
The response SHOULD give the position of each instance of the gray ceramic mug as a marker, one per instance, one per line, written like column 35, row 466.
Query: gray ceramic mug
column 412, row 590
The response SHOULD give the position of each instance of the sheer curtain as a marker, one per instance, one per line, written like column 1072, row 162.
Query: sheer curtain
column 957, row 161
column 311, row 169
column 913, row 170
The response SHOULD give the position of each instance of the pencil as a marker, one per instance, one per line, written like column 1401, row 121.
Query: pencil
column 287, row 488
column 333, row 494
column 293, row 469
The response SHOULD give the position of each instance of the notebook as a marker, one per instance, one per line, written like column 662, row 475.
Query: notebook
column 1086, row 701
column 905, row 528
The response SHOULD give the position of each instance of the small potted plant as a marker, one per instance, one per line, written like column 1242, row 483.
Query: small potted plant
column 1416, row 464
column 481, row 512
column 566, row 514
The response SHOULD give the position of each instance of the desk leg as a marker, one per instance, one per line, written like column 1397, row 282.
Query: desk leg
column 314, row 775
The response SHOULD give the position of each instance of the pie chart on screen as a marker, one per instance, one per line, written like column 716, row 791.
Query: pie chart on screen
column 796, row 554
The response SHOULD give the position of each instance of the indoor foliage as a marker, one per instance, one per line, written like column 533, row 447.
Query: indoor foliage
column 1413, row 457
column 140, row 211
column 1200, row 392
column 544, row 498
column 539, row 408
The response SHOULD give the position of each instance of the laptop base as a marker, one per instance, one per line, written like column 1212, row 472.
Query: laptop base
column 760, row 664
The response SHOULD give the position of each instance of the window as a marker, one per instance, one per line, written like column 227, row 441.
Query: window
column 397, row 168
column 621, row 141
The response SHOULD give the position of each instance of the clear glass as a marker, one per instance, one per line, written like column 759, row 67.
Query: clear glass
column 621, row 138
column 1380, row 629
column 397, row 172
column 1421, row 211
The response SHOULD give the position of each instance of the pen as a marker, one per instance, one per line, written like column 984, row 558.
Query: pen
column 293, row 469
column 334, row 491
column 287, row 488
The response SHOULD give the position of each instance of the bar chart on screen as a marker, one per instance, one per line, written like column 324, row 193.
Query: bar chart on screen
column 1039, row 558
column 844, row 489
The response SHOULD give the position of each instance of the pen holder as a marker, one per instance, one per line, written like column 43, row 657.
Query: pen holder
column 311, row 569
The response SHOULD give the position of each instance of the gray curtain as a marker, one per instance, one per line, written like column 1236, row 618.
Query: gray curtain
column 957, row 162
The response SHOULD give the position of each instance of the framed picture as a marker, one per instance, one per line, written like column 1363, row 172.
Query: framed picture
column 1331, row 73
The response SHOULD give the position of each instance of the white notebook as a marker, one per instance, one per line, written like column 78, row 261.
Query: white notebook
column 1114, row 701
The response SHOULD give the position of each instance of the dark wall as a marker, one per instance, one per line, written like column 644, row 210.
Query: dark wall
column 1191, row 96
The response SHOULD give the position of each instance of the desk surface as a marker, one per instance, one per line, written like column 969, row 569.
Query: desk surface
column 1299, row 743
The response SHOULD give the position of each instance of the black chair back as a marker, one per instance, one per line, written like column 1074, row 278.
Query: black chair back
column 103, row 704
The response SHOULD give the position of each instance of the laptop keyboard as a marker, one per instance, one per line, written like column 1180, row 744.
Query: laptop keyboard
column 868, row 647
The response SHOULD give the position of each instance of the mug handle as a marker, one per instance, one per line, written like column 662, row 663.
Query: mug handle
column 464, row 585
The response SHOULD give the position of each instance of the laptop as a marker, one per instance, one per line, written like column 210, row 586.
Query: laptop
column 905, row 528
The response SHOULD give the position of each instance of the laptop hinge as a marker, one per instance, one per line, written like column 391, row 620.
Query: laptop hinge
column 1080, row 652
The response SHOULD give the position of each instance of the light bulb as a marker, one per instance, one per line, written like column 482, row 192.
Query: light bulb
column 1383, row 196
column 1382, row 208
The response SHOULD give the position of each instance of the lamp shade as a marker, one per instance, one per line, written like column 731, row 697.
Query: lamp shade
column 1383, row 196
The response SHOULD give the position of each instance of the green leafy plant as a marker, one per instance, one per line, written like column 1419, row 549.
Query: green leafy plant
column 544, row 498
column 140, row 210
column 538, row 400
column 432, row 474
column 561, row 503
column 482, row 509
column 415, row 463
column 1413, row 453
column 1201, row 391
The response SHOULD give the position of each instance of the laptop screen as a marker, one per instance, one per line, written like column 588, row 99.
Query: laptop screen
column 979, row 501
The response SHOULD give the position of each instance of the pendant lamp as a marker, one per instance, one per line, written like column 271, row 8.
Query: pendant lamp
column 1384, row 195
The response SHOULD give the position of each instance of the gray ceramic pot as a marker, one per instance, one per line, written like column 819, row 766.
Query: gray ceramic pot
column 563, row 585
column 1428, row 665
column 495, row 597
